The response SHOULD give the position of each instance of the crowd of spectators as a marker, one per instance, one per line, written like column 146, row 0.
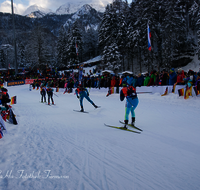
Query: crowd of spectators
column 95, row 80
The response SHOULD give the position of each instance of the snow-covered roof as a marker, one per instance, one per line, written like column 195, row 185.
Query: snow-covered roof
column 98, row 58
column 107, row 71
column 127, row 72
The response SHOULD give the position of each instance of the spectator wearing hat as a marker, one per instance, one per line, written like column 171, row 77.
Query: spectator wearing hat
column 189, row 78
column 172, row 77
column 180, row 77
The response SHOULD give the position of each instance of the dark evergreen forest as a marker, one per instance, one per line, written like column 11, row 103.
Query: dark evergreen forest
column 119, row 35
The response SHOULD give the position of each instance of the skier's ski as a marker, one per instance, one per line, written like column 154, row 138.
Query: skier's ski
column 81, row 111
column 50, row 104
column 132, row 126
column 122, row 128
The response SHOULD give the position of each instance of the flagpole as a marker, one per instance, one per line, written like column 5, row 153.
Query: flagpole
column 149, row 42
column 14, row 39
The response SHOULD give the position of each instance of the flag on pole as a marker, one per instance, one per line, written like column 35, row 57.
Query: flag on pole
column 13, row 100
column 72, row 75
column 174, row 87
column 181, row 92
column 166, row 92
column 149, row 37
column 12, row 118
column 188, row 92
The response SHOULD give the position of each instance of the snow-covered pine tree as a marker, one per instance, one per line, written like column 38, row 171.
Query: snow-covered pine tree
column 121, row 38
column 194, row 13
column 61, row 47
column 75, row 44
column 133, row 34
column 111, row 57
column 21, row 55
column 90, row 44
column 112, row 32
column 2, row 59
column 105, row 28
column 174, row 28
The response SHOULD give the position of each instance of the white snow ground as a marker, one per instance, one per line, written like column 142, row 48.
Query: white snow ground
column 55, row 148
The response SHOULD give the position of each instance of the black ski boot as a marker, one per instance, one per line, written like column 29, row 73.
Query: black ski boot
column 133, row 121
column 95, row 105
column 126, row 122
column 82, row 110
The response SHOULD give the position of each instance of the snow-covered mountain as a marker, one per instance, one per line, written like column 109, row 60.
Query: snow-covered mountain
column 84, row 10
column 36, row 14
column 35, row 11
column 88, row 15
column 72, row 7
column 35, row 8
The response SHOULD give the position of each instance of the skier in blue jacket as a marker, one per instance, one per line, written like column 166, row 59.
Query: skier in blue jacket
column 129, row 92
column 81, row 93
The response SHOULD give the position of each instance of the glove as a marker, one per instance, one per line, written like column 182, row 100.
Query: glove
column 88, row 94
column 77, row 96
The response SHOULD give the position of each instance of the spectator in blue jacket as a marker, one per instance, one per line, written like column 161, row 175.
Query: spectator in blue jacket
column 130, row 80
column 140, row 80
column 172, row 76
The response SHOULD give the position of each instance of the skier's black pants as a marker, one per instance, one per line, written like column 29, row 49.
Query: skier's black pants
column 43, row 94
column 50, row 95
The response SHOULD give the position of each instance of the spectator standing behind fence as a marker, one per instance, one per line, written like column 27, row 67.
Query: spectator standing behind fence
column 172, row 76
column 130, row 80
column 147, row 79
column 157, row 80
column 189, row 78
column 140, row 80
column 117, row 84
column 180, row 77
column 164, row 77
column 197, row 83
column 152, row 78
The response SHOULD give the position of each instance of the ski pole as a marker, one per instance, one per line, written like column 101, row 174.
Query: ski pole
column 55, row 94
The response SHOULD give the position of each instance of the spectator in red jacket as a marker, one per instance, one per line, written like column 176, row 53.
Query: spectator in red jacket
column 180, row 77
column 113, row 82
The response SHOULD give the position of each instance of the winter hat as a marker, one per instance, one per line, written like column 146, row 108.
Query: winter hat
column 124, row 84
column 172, row 70
column 180, row 70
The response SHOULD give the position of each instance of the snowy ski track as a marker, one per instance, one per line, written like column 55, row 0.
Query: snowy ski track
column 55, row 148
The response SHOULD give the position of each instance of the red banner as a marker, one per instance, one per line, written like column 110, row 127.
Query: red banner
column 29, row 81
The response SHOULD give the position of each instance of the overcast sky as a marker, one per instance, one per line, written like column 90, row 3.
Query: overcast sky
column 21, row 5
